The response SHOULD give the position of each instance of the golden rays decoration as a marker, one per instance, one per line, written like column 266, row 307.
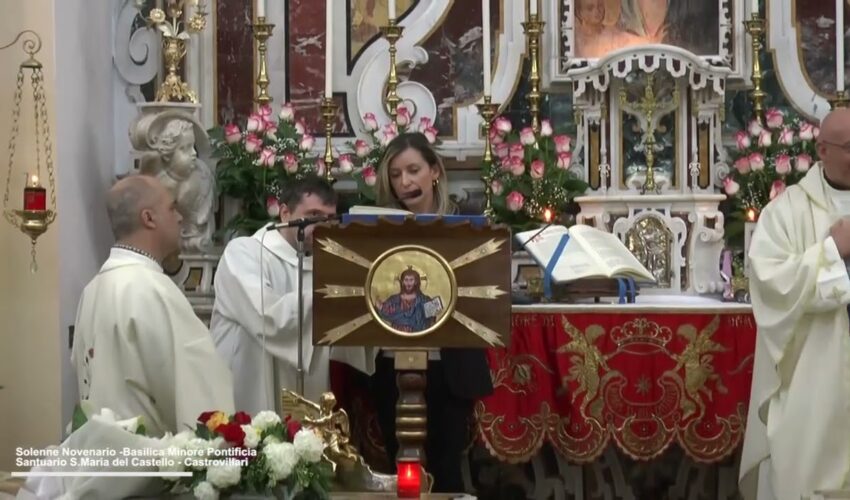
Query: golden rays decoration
column 434, row 280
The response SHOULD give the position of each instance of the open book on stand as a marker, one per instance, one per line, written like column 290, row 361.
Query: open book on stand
column 581, row 252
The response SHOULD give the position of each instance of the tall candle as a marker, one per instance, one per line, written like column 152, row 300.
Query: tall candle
column 329, row 49
column 391, row 13
column 694, row 144
column 532, row 8
column 754, row 9
column 485, row 38
column 261, row 8
column 839, row 45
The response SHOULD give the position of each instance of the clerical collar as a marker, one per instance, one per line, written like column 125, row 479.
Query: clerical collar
column 136, row 251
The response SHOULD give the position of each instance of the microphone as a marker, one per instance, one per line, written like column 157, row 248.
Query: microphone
column 304, row 221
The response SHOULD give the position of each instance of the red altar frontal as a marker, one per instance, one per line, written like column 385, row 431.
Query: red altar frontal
column 642, row 376
column 581, row 376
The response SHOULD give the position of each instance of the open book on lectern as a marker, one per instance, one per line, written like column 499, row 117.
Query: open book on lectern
column 362, row 213
column 581, row 252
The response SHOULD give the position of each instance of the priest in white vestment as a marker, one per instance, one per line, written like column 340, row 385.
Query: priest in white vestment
column 797, row 439
column 139, row 349
column 255, row 317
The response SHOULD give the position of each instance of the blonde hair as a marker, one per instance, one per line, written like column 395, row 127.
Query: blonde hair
column 384, row 195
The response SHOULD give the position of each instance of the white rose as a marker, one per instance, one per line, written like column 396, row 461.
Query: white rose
column 177, row 459
column 205, row 491
column 265, row 419
column 252, row 437
column 181, row 440
column 223, row 476
column 281, row 459
column 309, row 445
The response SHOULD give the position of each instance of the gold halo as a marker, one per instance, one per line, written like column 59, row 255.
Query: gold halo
column 441, row 264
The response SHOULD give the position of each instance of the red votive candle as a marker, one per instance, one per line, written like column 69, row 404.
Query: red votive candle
column 35, row 196
column 409, row 479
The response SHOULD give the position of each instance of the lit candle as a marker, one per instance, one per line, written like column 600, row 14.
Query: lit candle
column 391, row 13
column 755, row 7
column 409, row 484
column 35, row 196
column 261, row 8
column 532, row 8
column 485, row 37
column 329, row 49
column 839, row 45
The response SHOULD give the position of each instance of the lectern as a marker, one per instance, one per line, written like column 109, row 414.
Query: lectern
column 411, row 284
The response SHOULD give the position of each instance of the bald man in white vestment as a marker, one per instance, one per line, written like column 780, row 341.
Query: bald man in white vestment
column 797, row 439
column 255, row 317
column 139, row 348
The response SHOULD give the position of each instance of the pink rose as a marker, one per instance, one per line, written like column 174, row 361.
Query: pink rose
column 307, row 141
column 253, row 143
column 369, row 175
column 803, row 163
column 562, row 143
column 516, row 166
column 501, row 150
column 272, row 207
column 514, row 201
column 320, row 166
column 546, row 128
column 516, row 151
column 742, row 165
column 290, row 163
column 537, row 169
column 765, row 139
column 503, row 125
column 424, row 124
column 300, row 128
column 431, row 134
column 271, row 131
column 526, row 136
column 370, row 122
column 777, row 188
column 564, row 160
column 287, row 112
column 402, row 117
column 265, row 111
column 345, row 163
column 756, row 161
column 786, row 136
column 267, row 157
column 807, row 132
column 232, row 134
column 255, row 123
column 783, row 164
column 361, row 148
column 774, row 118
column 730, row 186
column 755, row 129
column 496, row 187
column 496, row 137
column 816, row 132
column 389, row 132
column 742, row 140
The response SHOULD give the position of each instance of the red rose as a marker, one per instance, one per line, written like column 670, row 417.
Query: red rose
column 292, row 428
column 232, row 433
column 205, row 416
column 242, row 418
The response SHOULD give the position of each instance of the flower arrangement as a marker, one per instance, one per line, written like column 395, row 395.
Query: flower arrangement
column 257, row 159
column 768, row 157
column 240, row 454
column 531, row 179
column 361, row 162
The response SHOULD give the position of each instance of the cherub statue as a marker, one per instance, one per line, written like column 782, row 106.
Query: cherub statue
column 174, row 161
column 331, row 425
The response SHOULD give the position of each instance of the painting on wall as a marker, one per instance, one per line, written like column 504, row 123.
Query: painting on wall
column 602, row 26
column 367, row 17
column 817, row 36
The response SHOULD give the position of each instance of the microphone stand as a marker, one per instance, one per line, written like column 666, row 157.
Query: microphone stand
column 300, row 252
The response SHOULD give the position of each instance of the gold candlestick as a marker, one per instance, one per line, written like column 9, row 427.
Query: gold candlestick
column 488, row 110
column 262, row 32
column 533, row 29
column 329, row 108
column 840, row 100
column 174, row 35
column 755, row 27
column 392, row 32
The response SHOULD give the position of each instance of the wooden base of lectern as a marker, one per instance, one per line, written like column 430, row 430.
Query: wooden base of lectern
column 411, row 409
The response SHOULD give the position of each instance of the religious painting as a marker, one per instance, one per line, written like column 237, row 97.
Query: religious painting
column 410, row 291
column 367, row 17
column 817, row 35
column 602, row 26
